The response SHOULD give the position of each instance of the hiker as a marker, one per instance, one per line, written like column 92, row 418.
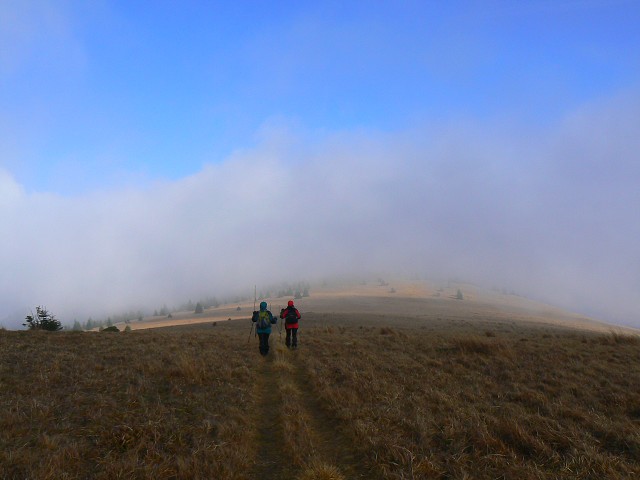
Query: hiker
column 263, row 320
column 291, row 317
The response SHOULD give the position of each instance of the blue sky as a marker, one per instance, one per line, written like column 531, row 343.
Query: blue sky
column 105, row 94
column 503, row 135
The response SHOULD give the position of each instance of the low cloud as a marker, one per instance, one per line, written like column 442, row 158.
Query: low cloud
column 549, row 212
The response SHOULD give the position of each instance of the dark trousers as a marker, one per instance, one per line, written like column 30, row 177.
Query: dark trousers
column 264, row 343
column 292, row 337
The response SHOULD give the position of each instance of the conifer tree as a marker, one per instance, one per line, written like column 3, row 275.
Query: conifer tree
column 42, row 320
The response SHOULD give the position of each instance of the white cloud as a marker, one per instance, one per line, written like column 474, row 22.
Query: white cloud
column 10, row 191
column 553, row 215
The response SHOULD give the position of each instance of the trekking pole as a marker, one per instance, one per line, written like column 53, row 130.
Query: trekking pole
column 254, row 309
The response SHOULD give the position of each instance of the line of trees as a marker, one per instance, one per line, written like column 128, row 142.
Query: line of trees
column 295, row 290
column 44, row 320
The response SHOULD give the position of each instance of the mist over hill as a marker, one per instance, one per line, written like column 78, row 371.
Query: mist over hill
column 550, row 212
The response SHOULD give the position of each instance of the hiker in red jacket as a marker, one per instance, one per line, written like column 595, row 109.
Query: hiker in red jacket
column 291, row 317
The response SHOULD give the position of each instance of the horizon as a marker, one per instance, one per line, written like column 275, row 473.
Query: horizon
column 153, row 154
column 356, row 287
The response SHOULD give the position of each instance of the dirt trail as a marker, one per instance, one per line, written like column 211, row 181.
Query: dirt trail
column 269, row 461
column 330, row 445
column 296, row 438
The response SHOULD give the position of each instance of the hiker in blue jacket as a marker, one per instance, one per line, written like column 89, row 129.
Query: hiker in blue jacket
column 263, row 320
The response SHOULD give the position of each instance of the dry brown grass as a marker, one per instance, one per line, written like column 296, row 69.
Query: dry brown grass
column 136, row 405
column 452, row 403
column 364, row 396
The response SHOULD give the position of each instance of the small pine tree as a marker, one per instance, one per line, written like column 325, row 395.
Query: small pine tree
column 42, row 320
column 459, row 295
column 199, row 308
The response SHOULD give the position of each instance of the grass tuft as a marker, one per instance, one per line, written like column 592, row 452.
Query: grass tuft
column 321, row 471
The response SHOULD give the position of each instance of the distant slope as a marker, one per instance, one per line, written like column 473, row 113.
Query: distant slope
column 403, row 299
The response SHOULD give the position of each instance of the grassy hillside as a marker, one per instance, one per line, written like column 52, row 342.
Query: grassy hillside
column 364, row 396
